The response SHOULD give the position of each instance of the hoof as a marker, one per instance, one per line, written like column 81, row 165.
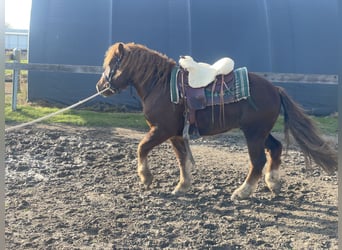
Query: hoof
column 181, row 189
column 272, row 181
column 238, row 196
column 274, row 187
column 146, row 180
column 242, row 192
column 176, row 192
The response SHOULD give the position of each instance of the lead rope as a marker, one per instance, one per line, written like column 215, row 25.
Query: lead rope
column 57, row 112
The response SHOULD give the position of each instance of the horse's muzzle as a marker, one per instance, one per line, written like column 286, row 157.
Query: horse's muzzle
column 106, row 89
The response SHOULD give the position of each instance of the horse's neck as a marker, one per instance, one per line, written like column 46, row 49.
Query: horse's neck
column 145, row 87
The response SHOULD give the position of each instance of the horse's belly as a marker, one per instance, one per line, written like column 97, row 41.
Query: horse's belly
column 211, row 121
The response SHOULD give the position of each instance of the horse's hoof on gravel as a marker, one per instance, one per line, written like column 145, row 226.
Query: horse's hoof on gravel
column 243, row 192
column 176, row 192
column 275, row 188
column 146, row 180
column 181, row 189
column 236, row 196
column 273, row 182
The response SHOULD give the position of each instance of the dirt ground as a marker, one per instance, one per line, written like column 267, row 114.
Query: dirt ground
column 77, row 188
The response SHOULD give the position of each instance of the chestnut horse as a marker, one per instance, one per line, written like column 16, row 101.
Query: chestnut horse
column 149, row 72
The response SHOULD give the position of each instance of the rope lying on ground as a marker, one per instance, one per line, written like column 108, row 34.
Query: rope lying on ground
column 55, row 113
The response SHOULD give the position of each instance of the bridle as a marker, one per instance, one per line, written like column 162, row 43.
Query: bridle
column 112, row 72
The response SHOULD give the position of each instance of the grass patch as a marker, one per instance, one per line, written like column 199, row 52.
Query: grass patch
column 326, row 124
column 26, row 113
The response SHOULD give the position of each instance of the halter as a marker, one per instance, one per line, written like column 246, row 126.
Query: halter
column 112, row 72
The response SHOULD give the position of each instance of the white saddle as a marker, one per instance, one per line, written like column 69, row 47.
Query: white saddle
column 201, row 74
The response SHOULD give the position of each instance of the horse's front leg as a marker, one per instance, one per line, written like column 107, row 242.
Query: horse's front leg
column 184, row 159
column 151, row 139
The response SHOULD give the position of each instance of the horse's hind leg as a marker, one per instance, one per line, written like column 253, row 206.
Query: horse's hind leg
column 256, row 150
column 273, row 152
column 184, row 160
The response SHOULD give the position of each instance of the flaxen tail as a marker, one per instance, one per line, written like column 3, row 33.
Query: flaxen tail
column 305, row 133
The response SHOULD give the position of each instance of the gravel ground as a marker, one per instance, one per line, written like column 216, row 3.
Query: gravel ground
column 77, row 188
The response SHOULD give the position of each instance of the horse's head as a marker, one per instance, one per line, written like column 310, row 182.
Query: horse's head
column 114, row 78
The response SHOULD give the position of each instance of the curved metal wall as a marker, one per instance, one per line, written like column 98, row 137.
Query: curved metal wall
column 287, row 36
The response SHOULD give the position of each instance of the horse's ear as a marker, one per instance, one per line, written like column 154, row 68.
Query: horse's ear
column 121, row 49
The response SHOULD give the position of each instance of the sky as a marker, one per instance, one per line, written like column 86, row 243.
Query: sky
column 17, row 13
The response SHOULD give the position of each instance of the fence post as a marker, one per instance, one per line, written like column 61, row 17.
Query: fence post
column 16, row 79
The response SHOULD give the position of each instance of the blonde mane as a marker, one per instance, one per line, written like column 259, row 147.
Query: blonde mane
column 142, row 62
